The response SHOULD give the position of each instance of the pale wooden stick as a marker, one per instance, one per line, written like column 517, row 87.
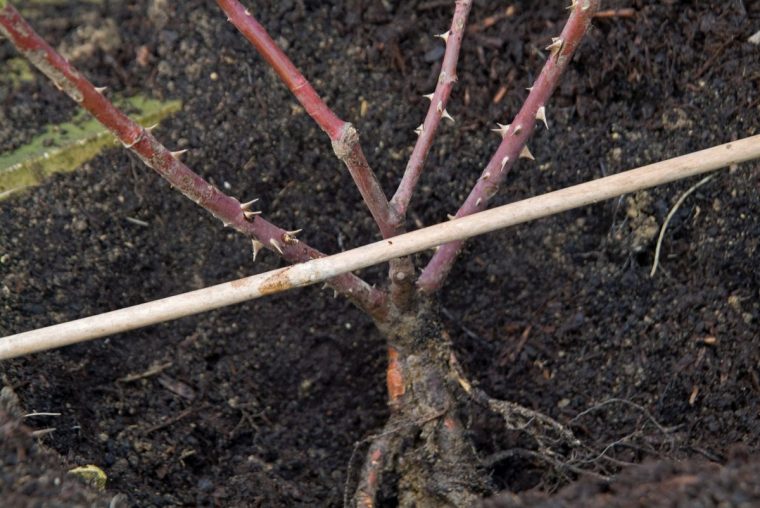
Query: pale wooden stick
column 318, row 270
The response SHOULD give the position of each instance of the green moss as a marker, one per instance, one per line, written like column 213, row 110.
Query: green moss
column 64, row 147
column 17, row 71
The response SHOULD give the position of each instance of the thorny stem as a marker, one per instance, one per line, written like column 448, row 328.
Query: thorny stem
column 436, row 111
column 296, row 82
column 513, row 146
column 402, row 285
column 140, row 141
column 344, row 137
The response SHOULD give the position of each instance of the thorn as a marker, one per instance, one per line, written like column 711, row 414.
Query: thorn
column 556, row 46
column 137, row 140
column 325, row 286
column 518, row 130
column 502, row 130
column 247, row 206
column 289, row 237
column 572, row 5
column 419, row 130
column 525, row 153
column 274, row 243
column 151, row 128
column 450, row 217
column 444, row 36
column 178, row 154
column 504, row 162
column 447, row 116
column 529, row 89
column 429, row 96
column 541, row 115
column 257, row 246
column 101, row 89
column 250, row 215
column 486, row 176
column 479, row 200
column 439, row 107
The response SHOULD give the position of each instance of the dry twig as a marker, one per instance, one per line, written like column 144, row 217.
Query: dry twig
column 670, row 215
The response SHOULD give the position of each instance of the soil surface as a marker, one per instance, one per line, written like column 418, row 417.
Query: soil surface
column 260, row 404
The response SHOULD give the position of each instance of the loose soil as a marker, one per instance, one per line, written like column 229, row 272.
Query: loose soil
column 260, row 404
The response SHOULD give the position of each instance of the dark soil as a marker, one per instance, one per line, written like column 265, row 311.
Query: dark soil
column 261, row 403
column 655, row 485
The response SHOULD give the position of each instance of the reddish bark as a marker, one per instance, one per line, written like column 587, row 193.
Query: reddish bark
column 343, row 135
column 140, row 141
column 515, row 139
column 438, row 102
column 344, row 138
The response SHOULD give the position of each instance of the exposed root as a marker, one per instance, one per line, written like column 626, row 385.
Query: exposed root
column 379, row 455
column 559, row 465
column 432, row 457
column 546, row 431
column 556, row 443
column 638, row 441
column 424, row 443
column 424, row 453
column 383, row 449
column 442, row 469
column 665, row 431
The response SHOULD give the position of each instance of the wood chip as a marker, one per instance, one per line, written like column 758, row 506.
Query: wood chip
column 500, row 94
column 693, row 396
column 177, row 387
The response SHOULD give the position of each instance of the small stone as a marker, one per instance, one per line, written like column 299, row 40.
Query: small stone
column 80, row 225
